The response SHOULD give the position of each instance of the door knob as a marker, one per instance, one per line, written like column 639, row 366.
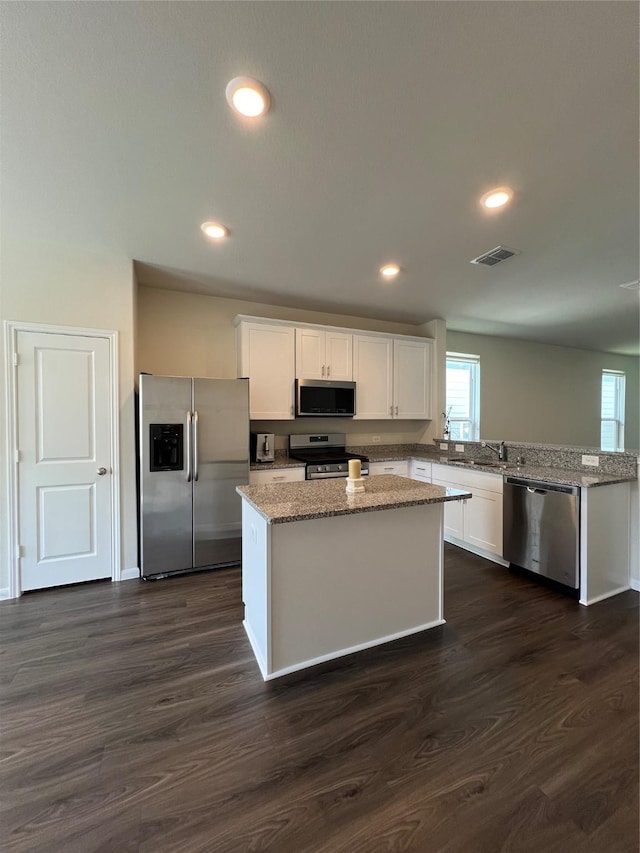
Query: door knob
column 102, row 471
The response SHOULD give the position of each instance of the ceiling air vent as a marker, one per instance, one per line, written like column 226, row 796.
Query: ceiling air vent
column 495, row 256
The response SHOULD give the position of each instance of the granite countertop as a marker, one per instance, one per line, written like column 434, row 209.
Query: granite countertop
column 562, row 476
column 301, row 501
column 537, row 473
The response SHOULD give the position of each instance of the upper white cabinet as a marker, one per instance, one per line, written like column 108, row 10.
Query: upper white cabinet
column 373, row 375
column 266, row 355
column 393, row 373
column 412, row 379
column 393, row 377
column 323, row 354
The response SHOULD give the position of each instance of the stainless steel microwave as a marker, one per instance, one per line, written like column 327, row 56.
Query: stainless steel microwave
column 316, row 398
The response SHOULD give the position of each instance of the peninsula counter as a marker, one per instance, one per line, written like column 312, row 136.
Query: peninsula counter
column 325, row 574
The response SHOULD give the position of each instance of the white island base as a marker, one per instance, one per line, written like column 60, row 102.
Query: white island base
column 321, row 588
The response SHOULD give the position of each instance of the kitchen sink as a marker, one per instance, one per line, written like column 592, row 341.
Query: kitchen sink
column 502, row 466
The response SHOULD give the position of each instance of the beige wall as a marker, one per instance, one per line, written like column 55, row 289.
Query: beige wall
column 545, row 394
column 55, row 284
column 187, row 334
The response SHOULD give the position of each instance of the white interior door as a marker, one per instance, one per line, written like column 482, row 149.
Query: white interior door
column 64, row 470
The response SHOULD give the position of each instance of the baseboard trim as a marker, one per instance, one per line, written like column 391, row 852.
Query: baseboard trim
column 256, row 651
column 634, row 583
column 349, row 651
column 610, row 594
column 4, row 594
column 479, row 552
column 129, row 574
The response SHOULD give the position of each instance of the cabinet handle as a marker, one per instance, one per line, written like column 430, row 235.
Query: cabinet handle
column 328, row 371
column 389, row 469
column 323, row 370
column 280, row 478
column 391, row 410
column 292, row 408
column 396, row 411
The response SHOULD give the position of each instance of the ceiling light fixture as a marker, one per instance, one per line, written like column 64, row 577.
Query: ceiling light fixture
column 497, row 198
column 248, row 96
column 215, row 230
column 390, row 270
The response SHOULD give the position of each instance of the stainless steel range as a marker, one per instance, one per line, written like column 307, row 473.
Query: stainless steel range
column 325, row 455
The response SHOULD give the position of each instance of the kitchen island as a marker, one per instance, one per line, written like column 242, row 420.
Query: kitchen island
column 326, row 574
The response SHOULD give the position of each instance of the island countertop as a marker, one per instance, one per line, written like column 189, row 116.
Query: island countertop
column 301, row 501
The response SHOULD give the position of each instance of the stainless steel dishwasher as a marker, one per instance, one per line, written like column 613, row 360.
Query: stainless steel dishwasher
column 541, row 529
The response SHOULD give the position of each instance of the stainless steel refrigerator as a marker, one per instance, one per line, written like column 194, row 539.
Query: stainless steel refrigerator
column 194, row 451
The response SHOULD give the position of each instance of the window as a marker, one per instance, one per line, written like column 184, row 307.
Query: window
column 612, row 410
column 463, row 396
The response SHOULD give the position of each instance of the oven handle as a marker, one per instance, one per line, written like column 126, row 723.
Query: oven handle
column 327, row 475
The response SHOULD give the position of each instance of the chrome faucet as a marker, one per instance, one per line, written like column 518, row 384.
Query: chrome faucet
column 501, row 450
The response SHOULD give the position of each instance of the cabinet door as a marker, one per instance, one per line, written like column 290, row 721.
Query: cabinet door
column 483, row 521
column 453, row 515
column 310, row 354
column 339, row 356
column 373, row 375
column 412, row 379
column 267, row 358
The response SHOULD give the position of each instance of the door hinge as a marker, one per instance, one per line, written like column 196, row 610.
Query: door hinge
column 17, row 456
column 20, row 551
column 16, row 359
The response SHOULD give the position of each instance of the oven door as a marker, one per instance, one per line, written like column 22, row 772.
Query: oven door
column 318, row 399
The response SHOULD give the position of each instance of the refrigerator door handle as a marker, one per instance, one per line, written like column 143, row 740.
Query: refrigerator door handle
column 195, row 446
column 188, row 448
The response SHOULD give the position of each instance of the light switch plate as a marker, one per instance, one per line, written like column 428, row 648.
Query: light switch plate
column 460, row 448
column 375, row 439
column 591, row 460
column 443, row 446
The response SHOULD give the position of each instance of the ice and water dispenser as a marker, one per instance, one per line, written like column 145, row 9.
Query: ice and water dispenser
column 166, row 447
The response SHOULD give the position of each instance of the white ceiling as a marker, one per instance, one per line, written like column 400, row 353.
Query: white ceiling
column 389, row 120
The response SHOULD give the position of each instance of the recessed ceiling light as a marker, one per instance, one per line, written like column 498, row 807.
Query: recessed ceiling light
column 390, row 270
column 248, row 96
column 215, row 230
column 497, row 198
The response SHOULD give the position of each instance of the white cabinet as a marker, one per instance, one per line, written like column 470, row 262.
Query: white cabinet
column 373, row 375
column 323, row 355
column 393, row 373
column 399, row 468
column 276, row 475
column 412, row 379
column 476, row 523
column 266, row 355
column 420, row 471
column 393, row 377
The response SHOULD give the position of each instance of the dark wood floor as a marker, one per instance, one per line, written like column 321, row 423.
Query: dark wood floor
column 134, row 718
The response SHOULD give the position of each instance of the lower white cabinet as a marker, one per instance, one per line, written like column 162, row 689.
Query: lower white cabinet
column 276, row 475
column 476, row 523
column 420, row 471
column 400, row 468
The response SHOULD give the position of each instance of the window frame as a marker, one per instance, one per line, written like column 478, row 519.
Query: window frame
column 473, row 361
column 619, row 409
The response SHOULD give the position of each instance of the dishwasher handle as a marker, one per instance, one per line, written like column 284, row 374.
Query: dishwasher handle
column 538, row 487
